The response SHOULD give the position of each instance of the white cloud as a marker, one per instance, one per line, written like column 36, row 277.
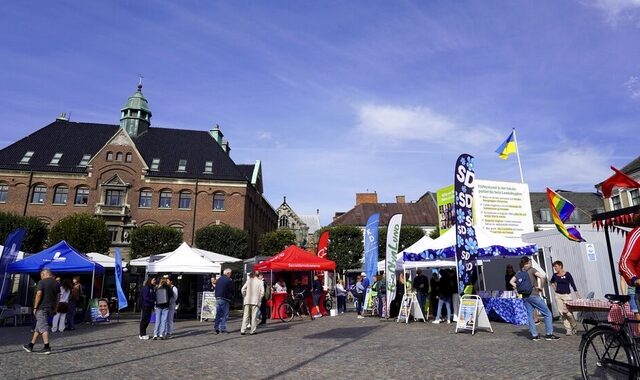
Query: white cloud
column 614, row 9
column 264, row 135
column 633, row 86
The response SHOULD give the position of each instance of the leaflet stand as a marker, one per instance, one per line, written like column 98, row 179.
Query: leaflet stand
column 472, row 314
column 410, row 306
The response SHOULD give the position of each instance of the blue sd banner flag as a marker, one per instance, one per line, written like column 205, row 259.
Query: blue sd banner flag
column 466, row 241
column 9, row 254
column 122, row 299
column 371, row 246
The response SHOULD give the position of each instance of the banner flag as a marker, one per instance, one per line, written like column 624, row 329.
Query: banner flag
column 466, row 241
column 561, row 210
column 507, row 147
column 8, row 256
column 122, row 299
column 393, row 242
column 619, row 179
column 323, row 243
column 371, row 246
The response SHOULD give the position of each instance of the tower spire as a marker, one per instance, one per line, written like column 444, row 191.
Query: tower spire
column 135, row 116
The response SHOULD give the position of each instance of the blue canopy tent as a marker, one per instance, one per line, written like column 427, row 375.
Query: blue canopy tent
column 60, row 258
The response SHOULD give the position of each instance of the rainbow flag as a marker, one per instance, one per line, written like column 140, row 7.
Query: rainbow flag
column 561, row 210
column 507, row 147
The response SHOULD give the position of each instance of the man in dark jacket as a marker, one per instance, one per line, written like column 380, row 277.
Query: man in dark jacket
column 224, row 295
column 421, row 286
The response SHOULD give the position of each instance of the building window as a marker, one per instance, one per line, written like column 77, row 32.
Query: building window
column 26, row 158
column 635, row 197
column 615, row 202
column 284, row 221
column 82, row 196
column 56, row 159
column 114, row 198
column 182, row 165
column 208, row 167
column 179, row 228
column 60, row 194
column 39, row 194
column 218, row 201
column 85, row 160
column 545, row 214
column 146, row 197
column 113, row 232
column 4, row 192
column 165, row 199
column 109, row 156
column 128, row 157
column 155, row 164
column 184, row 199
column 119, row 156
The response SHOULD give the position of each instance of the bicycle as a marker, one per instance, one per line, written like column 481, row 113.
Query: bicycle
column 293, row 307
column 328, row 302
column 609, row 350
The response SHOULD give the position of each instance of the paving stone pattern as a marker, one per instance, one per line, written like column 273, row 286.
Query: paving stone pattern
column 330, row 347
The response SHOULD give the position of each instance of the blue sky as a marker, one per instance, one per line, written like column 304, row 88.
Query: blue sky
column 341, row 97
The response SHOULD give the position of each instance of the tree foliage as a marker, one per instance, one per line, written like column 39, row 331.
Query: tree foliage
column 408, row 236
column 36, row 234
column 273, row 242
column 83, row 232
column 345, row 246
column 434, row 234
column 223, row 239
column 154, row 239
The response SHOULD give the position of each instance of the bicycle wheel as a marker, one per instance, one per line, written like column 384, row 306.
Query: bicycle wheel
column 607, row 355
column 285, row 312
column 328, row 303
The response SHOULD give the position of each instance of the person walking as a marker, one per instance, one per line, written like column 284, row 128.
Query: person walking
column 148, row 300
column 74, row 300
column 173, row 306
column 562, row 282
column 59, row 320
column 252, row 292
column 528, row 282
column 163, row 299
column 421, row 287
column 224, row 295
column 46, row 302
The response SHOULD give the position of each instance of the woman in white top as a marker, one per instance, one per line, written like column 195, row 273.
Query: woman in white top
column 280, row 286
column 63, row 306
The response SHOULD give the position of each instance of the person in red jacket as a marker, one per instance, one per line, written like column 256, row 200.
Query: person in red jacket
column 629, row 265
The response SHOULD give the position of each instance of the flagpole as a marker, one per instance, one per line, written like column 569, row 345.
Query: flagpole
column 515, row 139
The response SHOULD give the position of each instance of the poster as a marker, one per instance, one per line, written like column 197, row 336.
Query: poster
column 446, row 216
column 405, row 308
column 467, row 313
column 208, row 306
column 99, row 308
column 503, row 208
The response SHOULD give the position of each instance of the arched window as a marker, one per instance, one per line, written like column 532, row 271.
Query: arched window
column 184, row 199
column 284, row 221
column 119, row 156
column 109, row 156
column 82, row 195
column 60, row 194
column 146, row 198
column 4, row 192
column 128, row 157
column 165, row 199
column 218, row 201
column 39, row 194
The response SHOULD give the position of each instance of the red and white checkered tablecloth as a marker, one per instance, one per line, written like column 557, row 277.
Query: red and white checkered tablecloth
column 615, row 312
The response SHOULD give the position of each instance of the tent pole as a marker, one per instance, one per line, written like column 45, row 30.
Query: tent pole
column 93, row 277
column 613, row 271
column 102, row 285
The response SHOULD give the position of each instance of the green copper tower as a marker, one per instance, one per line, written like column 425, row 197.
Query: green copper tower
column 135, row 116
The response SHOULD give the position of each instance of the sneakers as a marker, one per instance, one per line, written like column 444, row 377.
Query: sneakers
column 217, row 332
column 45, row 351
column 318, row 316
column 448, row 320
column 155, row 337
column 551, row 337
column 28, row 347
column 360, row 316
column 571, row 332
column 535, row 338
column 436, row 321
column 144, row 337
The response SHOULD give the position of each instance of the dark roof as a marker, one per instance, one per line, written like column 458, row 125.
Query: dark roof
column 632, row 166
column 588, row 202
column 76, row 139
column 413, row 214
column 247, row 170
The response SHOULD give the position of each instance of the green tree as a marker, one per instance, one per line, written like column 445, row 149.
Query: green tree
column 154, row 239
column 345, row 246
column 83, row 232
column 223, row 239
column 408, row 236
column 36, row 234
column 434, row 234
column 273, row 242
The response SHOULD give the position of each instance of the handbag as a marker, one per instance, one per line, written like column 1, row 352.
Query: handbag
column 63, row 307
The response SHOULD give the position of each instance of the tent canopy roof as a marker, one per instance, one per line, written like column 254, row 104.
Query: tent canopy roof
column 60, row 258
column 294, row 258
column 215, row 257
column 183, row 260
column 104, row 260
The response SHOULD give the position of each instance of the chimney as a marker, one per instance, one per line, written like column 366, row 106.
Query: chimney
column 362, row 198
column 217, row 135
column 400, row 199
column 226, row 147
column 63, row 116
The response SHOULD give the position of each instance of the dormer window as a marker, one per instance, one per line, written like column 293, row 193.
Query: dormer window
column 56, row 159
column 27, row 157
column 182, row 165
column 155, row 164
column 85, row 160
column 109, row 156
column 208, row 167
column 128, row 157
column 119, row 156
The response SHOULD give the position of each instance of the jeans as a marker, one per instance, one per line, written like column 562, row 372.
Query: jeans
column 536, row 302
column 172, row 313
column 422, row 300
column 263, row 311
column 161, row 321
column 71, row 316
column 222, row 313
column 144, row 320
column 447, row 302
column 360, row 299
column 342, row 304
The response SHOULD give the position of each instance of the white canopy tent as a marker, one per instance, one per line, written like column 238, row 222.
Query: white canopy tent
column 144, row 261
column 419, row 246
column 183, row 260
column 216, row 257
column 104, row 260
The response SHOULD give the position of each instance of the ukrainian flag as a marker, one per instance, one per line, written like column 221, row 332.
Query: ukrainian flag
column 507, row 147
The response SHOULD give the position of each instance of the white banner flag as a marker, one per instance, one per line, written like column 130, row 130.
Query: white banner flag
column 393, row 242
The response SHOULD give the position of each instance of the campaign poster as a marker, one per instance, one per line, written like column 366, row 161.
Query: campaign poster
column 99, row 308
column 446, row 212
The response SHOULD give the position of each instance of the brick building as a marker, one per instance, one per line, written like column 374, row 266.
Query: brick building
column 133, row 175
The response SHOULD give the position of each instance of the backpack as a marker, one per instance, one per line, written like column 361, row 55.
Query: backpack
column 162, row 296
column 523, row 283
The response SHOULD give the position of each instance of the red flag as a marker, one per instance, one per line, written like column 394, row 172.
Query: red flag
column 323, row 242
column 618, row 180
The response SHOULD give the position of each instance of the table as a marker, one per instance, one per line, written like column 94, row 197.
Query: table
column 600, row 306
column 510, row 310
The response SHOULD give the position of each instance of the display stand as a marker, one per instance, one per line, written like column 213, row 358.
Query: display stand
column 410, row 306
column 207, row 307
column 472, row 314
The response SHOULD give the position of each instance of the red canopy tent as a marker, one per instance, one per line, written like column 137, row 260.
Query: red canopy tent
column 295, row 258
